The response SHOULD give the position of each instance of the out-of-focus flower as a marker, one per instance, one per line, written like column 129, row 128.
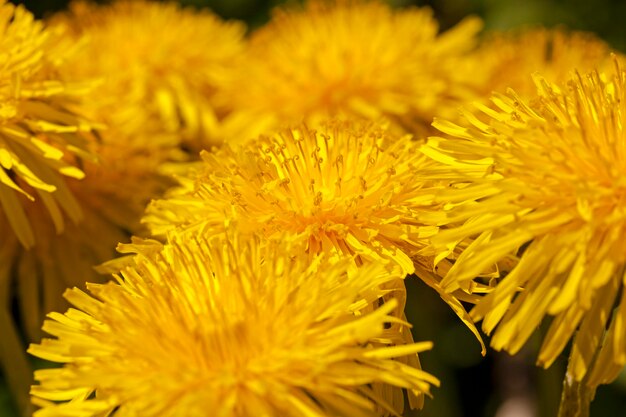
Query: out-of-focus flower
column 351, row 58
column 236, row 328
column 553, row 195
column 111, row 198
column 152, row 92
column 347, row 188
column 159, row 64
column 513, row 57
column 45, row 141
column 42, row 136
column 132, row 147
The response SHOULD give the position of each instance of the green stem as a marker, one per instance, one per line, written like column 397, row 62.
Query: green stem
column 575, row 398
column 13, row 361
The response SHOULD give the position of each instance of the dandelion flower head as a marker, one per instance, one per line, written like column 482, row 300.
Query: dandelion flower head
column 43, row 135
column 132, row 146
column 347, row 188
column 236, row 328
column 163, row 61
column 110, row 199
column 350, row 58
column 552, row 197
column 513, row 56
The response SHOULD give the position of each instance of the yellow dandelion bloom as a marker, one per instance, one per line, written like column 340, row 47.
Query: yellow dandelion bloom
column 238, row 329
column 347, row 188
column 512, row 57
column 42, row 136
column 350, row 58
column 45, row 140
column 34, row 279
column 131, row 149
column 162, row 61
column 112, row 198
column 552, row 196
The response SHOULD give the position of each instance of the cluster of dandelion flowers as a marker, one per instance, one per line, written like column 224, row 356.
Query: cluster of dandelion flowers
column 239, row 328
column 335, row 58
column 42, row 135
column 512, row 57
column 553, row 197
column 173, row 60
column 347, row 188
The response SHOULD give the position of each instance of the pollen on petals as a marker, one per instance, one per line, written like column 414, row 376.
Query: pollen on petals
column 343, row 188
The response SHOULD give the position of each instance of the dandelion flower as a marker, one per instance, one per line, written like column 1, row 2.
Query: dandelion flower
column 162, row 61
column 131, row 151
column 512, row 57
column 238, row 329
column 112, row 198
column 45, row 139
column 553, row 196
column 348, row 188
column 351, row 58
column 42, row 135
column 132, row 148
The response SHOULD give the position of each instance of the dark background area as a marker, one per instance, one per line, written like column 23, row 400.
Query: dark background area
column 472, row 386
column 607, row 18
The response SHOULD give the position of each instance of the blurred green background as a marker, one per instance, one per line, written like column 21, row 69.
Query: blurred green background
column 472, row 386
